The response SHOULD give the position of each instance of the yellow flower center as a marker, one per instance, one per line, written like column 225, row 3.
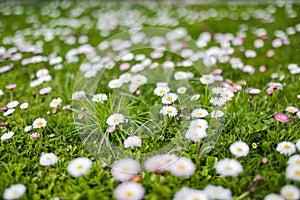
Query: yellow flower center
column 228, row 168
column 79, row 167
column 286, row 146
column 40, row 123
column 239, row 149
column 129, row 193
column 297, row 173
column 169, row 111
column 169, row 99
column 181, row 166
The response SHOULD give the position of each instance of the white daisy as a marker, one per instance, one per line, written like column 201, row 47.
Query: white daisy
column 195, row 134
column 217, row 114
column 115, row 83
column 294, row 160
column 12, row 104
column 27, row 128
column 139, row 80
column 229, row 167
column 181, row 90
column 24, row 106
column 218, row 101
column 217, row 192
column 115, row 119
column 217, row 90
column 79, row 167
column 199, row 113
column 39, row 123
column 55, row 103
column 171, row 111
column 125, row 78
column 293, row 172
column 125, row 169
column 180, row 75
column 7, row 135
column 182, row 167
column 286, row 148
column 273, row 197
column 155, row 163
column 99, row 98
column 290, row 192
column 239, row 149
column 129, row 191
column 9, row 112
column 228, row 95
column 48, row 159
column 169, row 98
column 78, row 95
column 195, row 97
column 187, row 193
column 133, row 141
column 198, row 124
column 207, row 79
column 161, row 91
column 14, row 192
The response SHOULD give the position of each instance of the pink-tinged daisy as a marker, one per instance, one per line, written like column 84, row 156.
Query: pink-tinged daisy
column 281, row 118
column 291, row 109
column 45, row 90
column 133, row 141
column 34, row 136
column 10, row 86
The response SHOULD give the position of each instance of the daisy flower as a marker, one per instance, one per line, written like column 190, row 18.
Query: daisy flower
column 195, row 134
column 217, row 192
column 189, row 194
column 290, row 192
column 181, row 90
column 155, row 163
column 99, row 98
column 24, row 106
column 183, row 167
column 116, row 83
column 294, row 160
column 7, row 135
column 195, row 97
column 161, row 91
column 199, row 113
column 227, row 95
column 9, row 112
column 217, row 90
column 129, row 191
column 180, row 75
column 169, row 98
column 125, row 169
column 125, row 78
column 12, row 104
column 273, row 197
column 39, row 123
column 79, row 167
column 115, row 119
column 55, row 103
column 48, row 159
column 133, row 141
column 217, row 114
column 207, row 79
column 286, row 148
column 27, row 128
column 78, row 95
column 280, row 117
column 14, row 192
column 291, row 109
column 171, row 111
column 34, row 136
column 239, row 149
column 229, row 167
column 46, row 90
column 139, row 79
column 253, row 91
column 293, row 172
column 198, row 124
column 218, row 101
